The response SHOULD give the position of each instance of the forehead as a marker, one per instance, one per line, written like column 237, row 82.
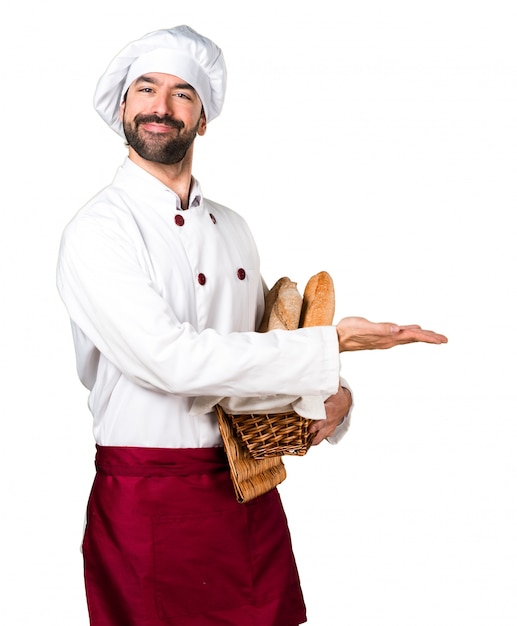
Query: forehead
column 159, row 79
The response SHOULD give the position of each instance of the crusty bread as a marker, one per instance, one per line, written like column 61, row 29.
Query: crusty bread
column 282, row 307
column 319, row 303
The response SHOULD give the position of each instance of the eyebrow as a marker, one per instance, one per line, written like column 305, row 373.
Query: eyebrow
column 154, row 81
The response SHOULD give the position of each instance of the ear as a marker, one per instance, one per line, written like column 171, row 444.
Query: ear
column 201, row 130
column 121, row 110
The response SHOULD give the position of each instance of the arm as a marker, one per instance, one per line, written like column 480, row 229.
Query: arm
column 107, row 285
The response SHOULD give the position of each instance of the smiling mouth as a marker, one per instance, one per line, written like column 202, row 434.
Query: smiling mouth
column 158, row 125
column 153, row 127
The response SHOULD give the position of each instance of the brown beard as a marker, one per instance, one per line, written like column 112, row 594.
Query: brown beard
column 157, row 148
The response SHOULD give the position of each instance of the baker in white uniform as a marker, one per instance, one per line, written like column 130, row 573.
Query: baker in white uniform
column 164, row 292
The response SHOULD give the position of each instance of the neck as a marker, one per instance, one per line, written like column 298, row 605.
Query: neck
column 177, row 176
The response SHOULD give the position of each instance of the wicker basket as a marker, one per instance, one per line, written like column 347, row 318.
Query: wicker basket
column 278, row 434
column 250, row 477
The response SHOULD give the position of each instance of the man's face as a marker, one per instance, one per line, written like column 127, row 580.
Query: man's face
column 162, row 115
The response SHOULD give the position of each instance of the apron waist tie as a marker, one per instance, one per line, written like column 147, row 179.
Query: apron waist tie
column 136, row 461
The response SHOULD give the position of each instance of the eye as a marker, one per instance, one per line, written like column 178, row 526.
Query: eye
column 145, row 90
column 181, row 94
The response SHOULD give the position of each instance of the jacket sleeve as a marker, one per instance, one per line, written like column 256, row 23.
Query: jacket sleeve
column 112, row 300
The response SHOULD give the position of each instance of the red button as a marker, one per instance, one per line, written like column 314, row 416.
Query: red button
column 213, row 218
column 179, row 220
column 201, row 279
column 241, row 274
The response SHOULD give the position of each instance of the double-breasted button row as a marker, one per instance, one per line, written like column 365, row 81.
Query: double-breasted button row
column 180, row 220
column 201, row 278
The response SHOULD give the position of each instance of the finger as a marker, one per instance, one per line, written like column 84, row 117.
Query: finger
column 427, row 333
column 316, row 426
column 409, row 333
column 319, row 437
column 425, row 336
column 318, row 429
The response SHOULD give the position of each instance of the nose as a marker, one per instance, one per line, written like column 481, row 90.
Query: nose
column 162, row 104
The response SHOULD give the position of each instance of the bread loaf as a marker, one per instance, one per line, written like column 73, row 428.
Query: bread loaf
column 282, row 307
column 319, row 303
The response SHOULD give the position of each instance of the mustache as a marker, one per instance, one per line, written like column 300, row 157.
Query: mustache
column 156, row 119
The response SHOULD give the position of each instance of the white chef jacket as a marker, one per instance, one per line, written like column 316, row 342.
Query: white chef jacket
column 164, row 304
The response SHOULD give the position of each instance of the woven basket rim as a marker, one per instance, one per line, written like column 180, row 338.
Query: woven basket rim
column 273, row 434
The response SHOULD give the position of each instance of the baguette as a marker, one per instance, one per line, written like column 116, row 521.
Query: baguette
column 283, row 306
column 319, row 303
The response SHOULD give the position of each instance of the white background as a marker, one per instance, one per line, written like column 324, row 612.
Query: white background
column 374, row 139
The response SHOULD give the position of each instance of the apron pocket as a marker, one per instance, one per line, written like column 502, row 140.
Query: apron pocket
column 201, row 563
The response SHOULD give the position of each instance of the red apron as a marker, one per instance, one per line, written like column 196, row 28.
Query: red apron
column 166, row 542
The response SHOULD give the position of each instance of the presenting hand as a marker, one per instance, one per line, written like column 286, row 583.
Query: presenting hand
column 337, row 408
column 357, row 333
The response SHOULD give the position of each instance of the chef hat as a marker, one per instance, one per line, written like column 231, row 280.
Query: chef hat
column 179, row 51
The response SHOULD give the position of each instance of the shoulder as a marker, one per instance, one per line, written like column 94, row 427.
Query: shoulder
column 113, row 206
column 225, row 213
column 104, row 226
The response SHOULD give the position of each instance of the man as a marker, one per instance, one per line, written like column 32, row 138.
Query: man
column 164, row 292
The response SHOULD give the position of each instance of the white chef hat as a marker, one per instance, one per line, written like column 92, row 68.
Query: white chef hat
column 179, row 51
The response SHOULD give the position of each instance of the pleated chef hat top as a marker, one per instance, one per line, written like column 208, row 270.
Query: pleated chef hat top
column 179, row 51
